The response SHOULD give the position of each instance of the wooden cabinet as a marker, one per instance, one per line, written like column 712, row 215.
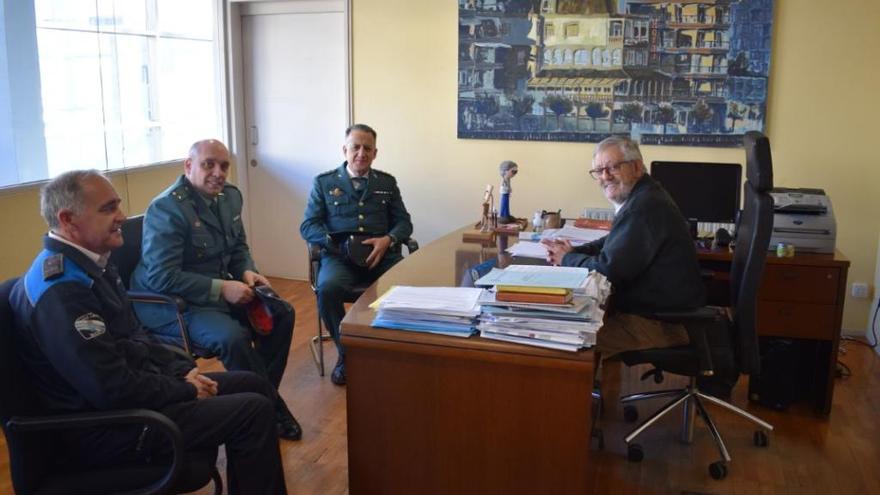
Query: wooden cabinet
column 800, row 298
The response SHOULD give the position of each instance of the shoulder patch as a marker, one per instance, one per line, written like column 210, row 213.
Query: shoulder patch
column 53, row 266
column 69, row 272
column 89, row 326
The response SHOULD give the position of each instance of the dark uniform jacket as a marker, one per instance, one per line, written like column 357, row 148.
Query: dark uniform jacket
column 78, row 336
column 187, row 250
column 336, row 208
column 648, row 256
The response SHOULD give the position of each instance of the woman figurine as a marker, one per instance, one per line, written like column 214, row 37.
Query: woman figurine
column 507, row 169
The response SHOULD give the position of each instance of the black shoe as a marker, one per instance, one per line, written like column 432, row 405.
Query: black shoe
column 288, row 427
column 338, row 375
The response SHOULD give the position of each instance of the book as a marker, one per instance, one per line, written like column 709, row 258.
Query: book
column 533, row 297
column 533, row 290
column 536, row 276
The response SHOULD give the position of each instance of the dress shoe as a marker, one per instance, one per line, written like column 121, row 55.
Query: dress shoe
column 288, row 427
column 338, row 375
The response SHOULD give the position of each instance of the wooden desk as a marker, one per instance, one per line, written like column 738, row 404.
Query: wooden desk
column 430, row 414
column 800, row 298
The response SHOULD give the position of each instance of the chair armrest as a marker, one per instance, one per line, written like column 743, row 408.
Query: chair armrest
column 159, row 422
column 154, row 298
column 412, row 245
column 314, row 265
column 697, row 322
column 314, row 252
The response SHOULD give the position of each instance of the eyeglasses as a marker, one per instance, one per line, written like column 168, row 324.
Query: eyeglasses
column 611, row 169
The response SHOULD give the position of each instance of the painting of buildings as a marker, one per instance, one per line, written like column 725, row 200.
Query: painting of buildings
column 665, row 72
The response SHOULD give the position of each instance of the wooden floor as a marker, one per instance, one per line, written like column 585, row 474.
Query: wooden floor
column 807, row 454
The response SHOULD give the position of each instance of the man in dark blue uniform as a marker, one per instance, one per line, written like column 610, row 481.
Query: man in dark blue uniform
column 194, row 247
column 77, row 334
column 353, row 199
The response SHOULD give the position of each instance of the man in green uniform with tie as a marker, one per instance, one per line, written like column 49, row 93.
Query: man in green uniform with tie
column 353, row 199
column 194, row 247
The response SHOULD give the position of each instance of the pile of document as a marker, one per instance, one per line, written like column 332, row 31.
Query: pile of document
column 443, row 310
column 531, row 247
column 569, row 325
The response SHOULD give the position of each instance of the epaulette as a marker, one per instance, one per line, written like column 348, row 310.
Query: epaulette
column 53, row 266
column 180, row 193
column 382, row 172
column 329, row 172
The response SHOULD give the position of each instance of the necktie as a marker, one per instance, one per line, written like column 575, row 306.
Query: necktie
column 359, row 183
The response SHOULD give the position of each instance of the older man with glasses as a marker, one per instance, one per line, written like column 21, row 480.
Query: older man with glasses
column 648, row 256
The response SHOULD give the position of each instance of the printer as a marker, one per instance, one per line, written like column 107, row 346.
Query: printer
column 804, row 218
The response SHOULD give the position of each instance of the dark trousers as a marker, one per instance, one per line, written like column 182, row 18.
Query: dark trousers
column 336, row 279
column 241, row 417
column 230, row 338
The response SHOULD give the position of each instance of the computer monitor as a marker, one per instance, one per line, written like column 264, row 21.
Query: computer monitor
column 708, row 192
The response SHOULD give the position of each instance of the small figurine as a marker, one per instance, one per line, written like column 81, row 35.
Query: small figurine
column 507, row 169
column 488, row 200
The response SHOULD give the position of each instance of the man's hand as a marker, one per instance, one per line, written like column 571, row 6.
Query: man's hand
column 253, row 279
column 205, row 387
column 235, row 292
column 556, row 250
column 380, row 245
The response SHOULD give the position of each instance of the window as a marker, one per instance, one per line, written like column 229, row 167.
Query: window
column 581, row 57
column 122, row 83
column 572, row 30
column 548, row 30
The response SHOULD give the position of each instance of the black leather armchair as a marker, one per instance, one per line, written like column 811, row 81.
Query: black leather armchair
column 35, row 459
column 126, row 259
column 723, row 341
column 317, row 342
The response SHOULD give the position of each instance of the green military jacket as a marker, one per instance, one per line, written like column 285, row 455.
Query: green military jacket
column 187, row 250
column 336, row 208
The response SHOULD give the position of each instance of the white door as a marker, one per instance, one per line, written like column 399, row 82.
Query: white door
column 295, row 66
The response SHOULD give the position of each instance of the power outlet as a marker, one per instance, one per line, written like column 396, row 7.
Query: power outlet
column 859, row 290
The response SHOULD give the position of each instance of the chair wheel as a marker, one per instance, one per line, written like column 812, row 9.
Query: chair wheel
column 761, row 439
column 634, row 453
column 654, row 373
column 658, row 377
column 718, row 470
column 630, row 414
column 600, row 438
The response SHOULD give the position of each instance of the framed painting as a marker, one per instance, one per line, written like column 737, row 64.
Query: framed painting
column 664, row 72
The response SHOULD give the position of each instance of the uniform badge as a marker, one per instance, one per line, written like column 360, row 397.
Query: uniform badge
column 90, row 326
column 336, row 192
column 53, row 266
column 197, row 224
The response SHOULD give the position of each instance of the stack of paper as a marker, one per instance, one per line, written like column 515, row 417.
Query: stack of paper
column 443, row 310
column 532, row 248
column 570, row 325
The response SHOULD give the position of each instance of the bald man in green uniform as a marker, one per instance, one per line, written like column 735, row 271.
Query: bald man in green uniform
column 353, row 199
column 195, row 248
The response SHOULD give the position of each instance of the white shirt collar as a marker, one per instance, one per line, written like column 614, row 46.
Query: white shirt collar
column 352, row 175
column 618, row 206
column 100, row 260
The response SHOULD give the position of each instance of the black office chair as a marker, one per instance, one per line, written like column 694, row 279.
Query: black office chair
column 35, row 461
column 719, row 340
column 126, row 259
column 317, row 342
